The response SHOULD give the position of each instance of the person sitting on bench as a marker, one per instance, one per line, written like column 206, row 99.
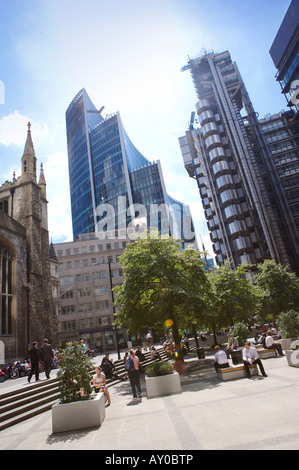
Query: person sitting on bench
column 271, row 344
column 250, row 356
column 220, row 359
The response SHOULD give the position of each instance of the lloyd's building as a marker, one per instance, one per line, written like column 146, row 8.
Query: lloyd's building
column 113, row 187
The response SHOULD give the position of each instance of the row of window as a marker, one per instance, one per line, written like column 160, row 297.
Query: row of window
column 86, row 277
column 92, row 249
column 86, row 323
column 88, row 307
column 76, row 264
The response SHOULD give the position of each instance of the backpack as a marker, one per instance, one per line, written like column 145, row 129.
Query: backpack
column 129, row 364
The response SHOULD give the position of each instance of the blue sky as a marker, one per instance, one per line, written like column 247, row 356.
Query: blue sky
column 128, row 55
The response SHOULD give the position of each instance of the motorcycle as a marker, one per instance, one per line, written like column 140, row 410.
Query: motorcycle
column 21, row 369
column 10, row 372
column 2, row 376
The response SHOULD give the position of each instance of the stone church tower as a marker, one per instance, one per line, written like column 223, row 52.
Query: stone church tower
column 27, row 308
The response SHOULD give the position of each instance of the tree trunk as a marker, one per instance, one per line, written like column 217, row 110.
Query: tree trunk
column 177, row 338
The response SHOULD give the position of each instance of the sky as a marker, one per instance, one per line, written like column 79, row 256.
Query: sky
column 128, row 56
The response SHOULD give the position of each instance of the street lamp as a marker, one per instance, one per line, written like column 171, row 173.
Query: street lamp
column 112, row 299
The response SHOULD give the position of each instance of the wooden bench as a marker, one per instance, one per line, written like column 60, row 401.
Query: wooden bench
column 235, row 372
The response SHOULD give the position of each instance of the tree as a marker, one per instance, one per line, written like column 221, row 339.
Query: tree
column 164, row 286
column 233, row 298
column 279, row 288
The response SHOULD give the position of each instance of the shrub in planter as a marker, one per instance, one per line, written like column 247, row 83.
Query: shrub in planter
column 240, row 331
column 289, row 323
column 75, row 374
column 159, row 368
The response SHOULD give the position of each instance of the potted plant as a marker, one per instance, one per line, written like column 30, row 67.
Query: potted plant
column 77, row 408
column 292, row 354
column 289, row 324
column 161, row 379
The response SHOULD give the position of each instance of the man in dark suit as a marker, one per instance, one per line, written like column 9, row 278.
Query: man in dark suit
column 34, row 360
column 47, row 356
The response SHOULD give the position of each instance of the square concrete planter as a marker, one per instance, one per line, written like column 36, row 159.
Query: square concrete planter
column 79, row 414
column 292, row 357
column 285, row 343
column 163, row 385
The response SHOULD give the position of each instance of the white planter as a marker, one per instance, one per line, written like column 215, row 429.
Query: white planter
column 292, row 357
column 78, row 414
column 285, row 343
column 163, row 385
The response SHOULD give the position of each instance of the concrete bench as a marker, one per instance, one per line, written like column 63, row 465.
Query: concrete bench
column 235, row 372
column 265, row 353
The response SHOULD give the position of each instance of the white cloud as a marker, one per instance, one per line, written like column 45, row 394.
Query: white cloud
column 13, row 129
column 58, row 195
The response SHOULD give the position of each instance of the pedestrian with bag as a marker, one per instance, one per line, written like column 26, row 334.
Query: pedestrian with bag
column 132, row 367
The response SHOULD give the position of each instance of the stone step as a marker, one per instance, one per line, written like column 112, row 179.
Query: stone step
column 32, row 399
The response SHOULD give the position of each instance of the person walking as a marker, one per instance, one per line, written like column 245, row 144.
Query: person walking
column 34, row 360
column 132, row 367
column 47, row 356
column 250, row 356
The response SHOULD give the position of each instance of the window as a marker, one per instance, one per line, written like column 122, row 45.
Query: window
column 6, row 293
column 84, row 292
column 4, row 206
column 85, row 307
column 101, row 290
column 68, row 294
column 69, row 326
column 68, row 309
column 65, row 280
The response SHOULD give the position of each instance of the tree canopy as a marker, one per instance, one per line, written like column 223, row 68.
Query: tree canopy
column 278, row 288
column 164, row 286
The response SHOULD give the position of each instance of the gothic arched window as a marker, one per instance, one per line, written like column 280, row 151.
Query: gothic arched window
column 6, row 293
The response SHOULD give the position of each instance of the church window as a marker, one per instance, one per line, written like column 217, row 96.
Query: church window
column 6, row 291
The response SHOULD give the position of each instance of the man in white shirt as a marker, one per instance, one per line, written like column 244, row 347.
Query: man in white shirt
column 271, row 344
column 220, row 359
column 250, row 356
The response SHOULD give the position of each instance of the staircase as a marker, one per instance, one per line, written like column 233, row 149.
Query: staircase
column 24, row 403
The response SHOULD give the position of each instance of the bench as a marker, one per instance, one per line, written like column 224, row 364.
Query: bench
column 235, row 372
column 265, row 353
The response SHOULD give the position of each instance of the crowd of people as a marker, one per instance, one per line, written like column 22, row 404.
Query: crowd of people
column 267, row 339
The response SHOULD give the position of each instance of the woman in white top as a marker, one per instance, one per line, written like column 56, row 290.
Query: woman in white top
column 99, row 383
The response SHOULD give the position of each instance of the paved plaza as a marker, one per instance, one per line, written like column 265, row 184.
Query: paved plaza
column 256, row 414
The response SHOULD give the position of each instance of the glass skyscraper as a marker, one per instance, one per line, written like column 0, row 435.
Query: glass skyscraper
column 107, row 171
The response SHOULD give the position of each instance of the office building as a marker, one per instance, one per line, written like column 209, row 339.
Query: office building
column 247, row 212
column 111, row 182
column 88, row 269
column 285, row 55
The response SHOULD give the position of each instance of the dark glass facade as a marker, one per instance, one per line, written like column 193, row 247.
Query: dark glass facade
column 105, row 168
column 285, row 54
